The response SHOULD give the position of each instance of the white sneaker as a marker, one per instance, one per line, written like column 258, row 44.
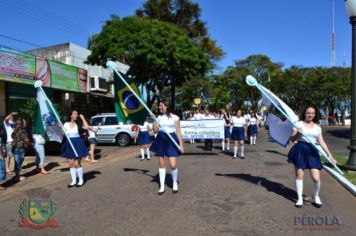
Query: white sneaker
column 299, row 203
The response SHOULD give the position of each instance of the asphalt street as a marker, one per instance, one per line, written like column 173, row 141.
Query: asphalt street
column 218, row 195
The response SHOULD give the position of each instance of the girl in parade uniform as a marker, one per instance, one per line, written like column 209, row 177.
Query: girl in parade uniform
column 143, row 138
column 253, row 128
column 72, row 131
column 238, row 133
column 227, row 119
column 164, row 147
column 304, row 156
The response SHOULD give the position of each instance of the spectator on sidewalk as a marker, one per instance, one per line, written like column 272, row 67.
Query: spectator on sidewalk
column 92, row 142
column 39, row 143
column 21, row 143
column 2, row 162
column 9, row 125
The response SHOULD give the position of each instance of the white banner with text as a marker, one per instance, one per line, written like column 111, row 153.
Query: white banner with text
column 202, row 129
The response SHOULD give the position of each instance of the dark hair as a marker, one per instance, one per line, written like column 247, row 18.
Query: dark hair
column 70, row 115
column 253, row 114
column 168, row 111
column 316, row 117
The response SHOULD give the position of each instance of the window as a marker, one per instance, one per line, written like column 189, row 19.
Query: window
column 95, row 121
column 111, row 120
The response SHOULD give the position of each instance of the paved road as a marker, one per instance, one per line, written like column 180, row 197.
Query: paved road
column 218, row 195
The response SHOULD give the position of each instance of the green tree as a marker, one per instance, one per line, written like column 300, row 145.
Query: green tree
column 159, row 53
column 186, row 15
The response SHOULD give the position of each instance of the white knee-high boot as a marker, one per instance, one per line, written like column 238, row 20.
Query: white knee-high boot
column 299, row 186
column 316, row 192
column 242, row 148
column 80, row 173
column 235, row 151
column 142, row 153
column 73, row 174
column 223, row 145
column 174, row 174
column 148, row 153
column 162, row 178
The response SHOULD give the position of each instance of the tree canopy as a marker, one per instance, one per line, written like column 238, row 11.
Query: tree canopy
column 159, row 53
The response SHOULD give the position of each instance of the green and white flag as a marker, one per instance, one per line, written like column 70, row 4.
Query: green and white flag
column 46, row 123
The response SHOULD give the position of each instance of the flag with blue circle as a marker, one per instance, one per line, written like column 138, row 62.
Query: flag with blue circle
column 127, row 106
column 46, row 123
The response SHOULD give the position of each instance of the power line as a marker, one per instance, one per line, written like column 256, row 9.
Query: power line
column 43, row 18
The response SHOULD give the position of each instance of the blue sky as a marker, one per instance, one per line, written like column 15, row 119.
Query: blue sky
column 294, row 32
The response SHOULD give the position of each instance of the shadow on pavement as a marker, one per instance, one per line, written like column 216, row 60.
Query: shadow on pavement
column 199, row 154
column 276, row 152
column 155, row 178
column 340, row 133
column 270, row 186
column 91, row 175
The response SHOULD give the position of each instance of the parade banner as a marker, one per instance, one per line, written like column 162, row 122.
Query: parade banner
column 202, row 129
column 17, row 66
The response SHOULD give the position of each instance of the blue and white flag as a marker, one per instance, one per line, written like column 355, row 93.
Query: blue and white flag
column 280, row 112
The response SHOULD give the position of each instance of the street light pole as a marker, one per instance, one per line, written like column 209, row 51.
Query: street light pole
column 351, row 162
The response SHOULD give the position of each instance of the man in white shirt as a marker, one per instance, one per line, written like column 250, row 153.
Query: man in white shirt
column 9, row 125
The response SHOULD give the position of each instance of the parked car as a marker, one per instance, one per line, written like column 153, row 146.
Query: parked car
column 113, row 131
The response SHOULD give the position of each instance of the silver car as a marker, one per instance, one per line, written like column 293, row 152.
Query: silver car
column 113, row 131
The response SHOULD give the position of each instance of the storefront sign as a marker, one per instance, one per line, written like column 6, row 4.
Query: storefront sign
column 17, row 66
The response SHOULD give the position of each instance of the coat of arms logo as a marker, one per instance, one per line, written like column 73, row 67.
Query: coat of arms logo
column 37, row 210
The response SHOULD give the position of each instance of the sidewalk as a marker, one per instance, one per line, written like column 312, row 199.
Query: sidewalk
column 58, row 168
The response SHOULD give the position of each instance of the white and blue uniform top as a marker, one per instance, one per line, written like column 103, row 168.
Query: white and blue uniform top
column 144, row 127
column 312, row 133
column 168, row 124
column 252, row 121
column 238, row 122
column 71, row 132
column 91, row 134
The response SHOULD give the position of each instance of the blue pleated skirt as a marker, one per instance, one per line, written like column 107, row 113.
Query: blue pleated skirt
column 164, row 147
column 144, row 138
column 238, row 134
column 252, row 129
column 79, row 146
column 304, row 156
column 227, row 132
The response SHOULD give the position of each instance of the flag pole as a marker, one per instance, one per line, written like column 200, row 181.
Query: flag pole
column 38, row 85
column 251, row 81
column 112, row 65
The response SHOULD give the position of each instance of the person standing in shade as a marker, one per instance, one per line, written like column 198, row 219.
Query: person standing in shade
column 21, row 142
column 72, row 131
column 9, row 125
column 253, row 128
column 238, row 134
column 190, row 117
column 39, row 143
column 164, row 147
column 304, row 156
column 2, row 162
column 92, row 141
column 227, row 120
column 143, row 139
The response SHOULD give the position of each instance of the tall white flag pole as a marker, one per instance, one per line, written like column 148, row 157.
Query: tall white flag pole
column 38, row 85
column 251, row 81
column 113, row 65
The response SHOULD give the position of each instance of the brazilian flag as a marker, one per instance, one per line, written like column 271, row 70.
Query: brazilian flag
column 127, row 106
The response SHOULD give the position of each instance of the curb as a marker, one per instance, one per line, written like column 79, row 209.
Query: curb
column 342, row 180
